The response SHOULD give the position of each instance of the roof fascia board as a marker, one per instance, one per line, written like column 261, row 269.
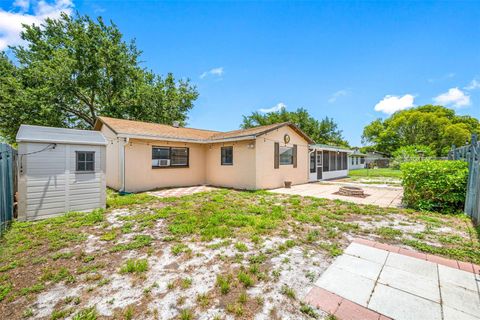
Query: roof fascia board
column 64, row 142
column 199, row 141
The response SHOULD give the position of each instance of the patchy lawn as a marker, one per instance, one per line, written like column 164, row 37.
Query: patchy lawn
column 381, row 176
column 216, row 255
column 380, row 172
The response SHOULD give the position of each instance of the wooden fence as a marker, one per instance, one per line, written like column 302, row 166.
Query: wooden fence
column 7, row 184
column 471, row 154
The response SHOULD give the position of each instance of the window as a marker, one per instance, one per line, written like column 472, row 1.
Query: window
column 362, row 160
column 163, row 157
column 286, row 155
column 227, row 156
column 85, row 161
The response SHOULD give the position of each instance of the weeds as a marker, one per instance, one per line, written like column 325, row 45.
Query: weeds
column 135, row 266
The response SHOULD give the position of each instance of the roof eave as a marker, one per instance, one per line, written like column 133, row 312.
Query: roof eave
column 189, row 140
column 63, row 142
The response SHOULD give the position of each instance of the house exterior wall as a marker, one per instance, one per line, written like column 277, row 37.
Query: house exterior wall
column 113, row 148
column 49, row 185
column 352, row 163
column 240, row 175
column 329, row 175
column 140, row 176
column 267, row 177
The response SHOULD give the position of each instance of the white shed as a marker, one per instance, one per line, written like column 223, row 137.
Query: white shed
column 59, row 170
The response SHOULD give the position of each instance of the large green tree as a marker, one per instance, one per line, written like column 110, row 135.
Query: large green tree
column 73, row 69
column 434, row 126
column 321, row 131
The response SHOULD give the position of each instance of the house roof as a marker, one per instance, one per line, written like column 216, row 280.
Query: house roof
column 28, row 133
column 330, row 147
column 139, row 129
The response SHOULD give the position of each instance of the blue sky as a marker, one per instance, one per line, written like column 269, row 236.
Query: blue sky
column 352, row 61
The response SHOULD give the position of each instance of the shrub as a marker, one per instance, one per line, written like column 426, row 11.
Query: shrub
column 435, row 185
column 410, row 153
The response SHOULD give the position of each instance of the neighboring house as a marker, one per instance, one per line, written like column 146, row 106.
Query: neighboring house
column 145, row 156
column 327, row 162
column 59, row 170
column 376, row 159
column 357, row 160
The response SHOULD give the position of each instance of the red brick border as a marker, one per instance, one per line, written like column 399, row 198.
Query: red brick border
column 345, row 309
column 461, row 265
column 341, row 308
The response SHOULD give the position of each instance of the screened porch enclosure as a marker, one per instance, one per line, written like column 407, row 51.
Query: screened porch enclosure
column 328, row 163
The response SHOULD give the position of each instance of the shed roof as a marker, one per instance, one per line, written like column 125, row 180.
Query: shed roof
column 28, row 133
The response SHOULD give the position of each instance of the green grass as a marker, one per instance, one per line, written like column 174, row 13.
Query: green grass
column 380, row 173
column 135, row 266
column 115, row 200
column 49, row 251
column 139, row 241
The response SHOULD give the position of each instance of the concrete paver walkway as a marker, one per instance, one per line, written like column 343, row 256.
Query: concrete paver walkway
column 380, row 196
column 182, row 191
column 367, row 282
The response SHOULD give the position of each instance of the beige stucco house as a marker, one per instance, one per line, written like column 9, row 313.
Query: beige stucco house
column 145, row 156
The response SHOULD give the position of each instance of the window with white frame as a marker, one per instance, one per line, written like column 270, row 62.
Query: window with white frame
column 85, row 161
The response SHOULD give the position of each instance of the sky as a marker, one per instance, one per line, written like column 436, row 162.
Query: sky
column 352, row 61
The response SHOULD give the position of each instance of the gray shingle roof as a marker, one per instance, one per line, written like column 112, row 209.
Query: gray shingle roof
column 28, row 133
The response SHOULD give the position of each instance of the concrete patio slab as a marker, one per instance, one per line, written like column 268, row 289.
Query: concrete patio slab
column 450, row 276
column 410, row 282
column 398, row 304
column 423, row 268
column 379, row 196
column 461, row 299
column 179, row 192
column 358, row 266
column 347, row 285
column 454, row 314
column 378, row 281
column 367, row 253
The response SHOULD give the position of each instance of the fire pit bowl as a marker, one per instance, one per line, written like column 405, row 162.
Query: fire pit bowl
column 351, row 191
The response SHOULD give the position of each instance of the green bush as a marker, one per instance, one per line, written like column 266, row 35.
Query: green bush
column 435, row 185
column 410, row 153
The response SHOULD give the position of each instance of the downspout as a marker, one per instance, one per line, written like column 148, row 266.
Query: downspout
column 122, row 190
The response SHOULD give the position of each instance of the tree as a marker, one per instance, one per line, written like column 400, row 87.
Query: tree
column 436, row 127
column 325, row 131
column 73, row 69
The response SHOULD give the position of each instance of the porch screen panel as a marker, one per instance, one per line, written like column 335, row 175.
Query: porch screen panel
column 326, row 161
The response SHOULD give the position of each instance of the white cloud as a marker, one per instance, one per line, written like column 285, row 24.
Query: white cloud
column 214, row 72
column 279, row 106
column 454, row 96
column 391, row 104
column 22, row 4
column 11, row 21
column 474, row 84
column 338, row 94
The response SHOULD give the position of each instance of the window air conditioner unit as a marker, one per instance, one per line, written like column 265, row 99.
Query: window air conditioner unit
column 163, row 162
